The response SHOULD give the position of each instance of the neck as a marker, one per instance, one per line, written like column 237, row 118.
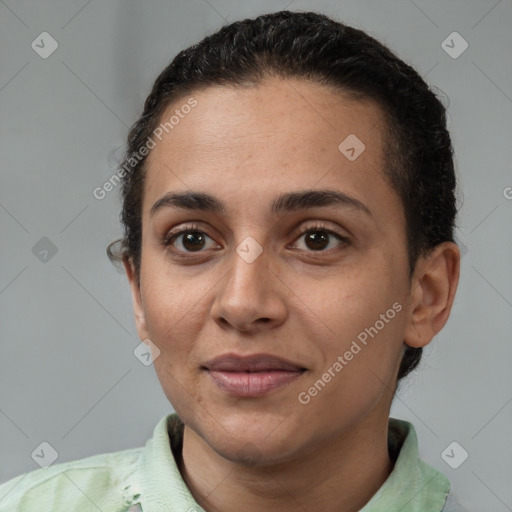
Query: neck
column 341, row 475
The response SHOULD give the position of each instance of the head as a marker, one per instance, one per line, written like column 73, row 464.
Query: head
column 315, row 145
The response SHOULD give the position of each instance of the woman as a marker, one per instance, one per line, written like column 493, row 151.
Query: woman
column 288, row 207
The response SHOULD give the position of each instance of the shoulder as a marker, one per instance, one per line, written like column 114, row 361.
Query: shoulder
column 92, row 483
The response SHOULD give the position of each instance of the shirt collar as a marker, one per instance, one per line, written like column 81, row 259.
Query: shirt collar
column 158, row 479
column 413, row 485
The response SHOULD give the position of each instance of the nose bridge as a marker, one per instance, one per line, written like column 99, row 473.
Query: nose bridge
column 248, row 292
column 249, row 268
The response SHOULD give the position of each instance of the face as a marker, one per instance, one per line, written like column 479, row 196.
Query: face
column 321, row 283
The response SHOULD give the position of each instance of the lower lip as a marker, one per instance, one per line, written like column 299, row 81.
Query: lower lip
column 243, row 384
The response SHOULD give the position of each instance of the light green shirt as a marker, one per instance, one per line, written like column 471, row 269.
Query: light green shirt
column 147, row 479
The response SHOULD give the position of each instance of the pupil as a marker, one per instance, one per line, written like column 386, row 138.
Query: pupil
column 195, row 239
column 321, row 239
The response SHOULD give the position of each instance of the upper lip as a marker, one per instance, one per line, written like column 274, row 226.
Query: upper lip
column 254, row 363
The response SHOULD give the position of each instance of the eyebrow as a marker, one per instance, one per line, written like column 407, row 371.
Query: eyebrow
column 288, row 202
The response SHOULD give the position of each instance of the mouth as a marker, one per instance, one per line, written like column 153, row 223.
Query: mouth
column 251, row 363
column 252, row 384
column 252, row 376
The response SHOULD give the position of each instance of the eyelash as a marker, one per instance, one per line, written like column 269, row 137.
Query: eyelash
column 170, row 237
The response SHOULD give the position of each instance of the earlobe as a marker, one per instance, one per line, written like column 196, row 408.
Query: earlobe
column 433, row 290
column 138, row 310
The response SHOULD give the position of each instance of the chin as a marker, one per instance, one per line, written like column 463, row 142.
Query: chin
column 254, row 439
column 257, row 453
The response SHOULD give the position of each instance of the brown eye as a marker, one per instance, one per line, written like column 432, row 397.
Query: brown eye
column 187, row 240
column 318, row 239
column 193, row 240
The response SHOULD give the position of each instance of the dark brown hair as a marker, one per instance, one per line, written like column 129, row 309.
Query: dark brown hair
column 307, row 45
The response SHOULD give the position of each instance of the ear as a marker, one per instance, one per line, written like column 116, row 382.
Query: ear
column 433, row 287
column 138, row 310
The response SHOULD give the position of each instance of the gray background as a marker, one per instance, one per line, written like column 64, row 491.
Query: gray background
column 68, row 375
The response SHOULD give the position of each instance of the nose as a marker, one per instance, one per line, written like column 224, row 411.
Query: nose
column 250, row 296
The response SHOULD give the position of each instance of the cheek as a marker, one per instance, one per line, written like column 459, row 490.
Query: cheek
column 357, row 328
column 346, row 303
column 172, row 296
column 358, row 368
column 172, row 309
column 174, row 312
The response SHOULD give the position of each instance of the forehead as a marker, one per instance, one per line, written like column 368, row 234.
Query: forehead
column 252, row 143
